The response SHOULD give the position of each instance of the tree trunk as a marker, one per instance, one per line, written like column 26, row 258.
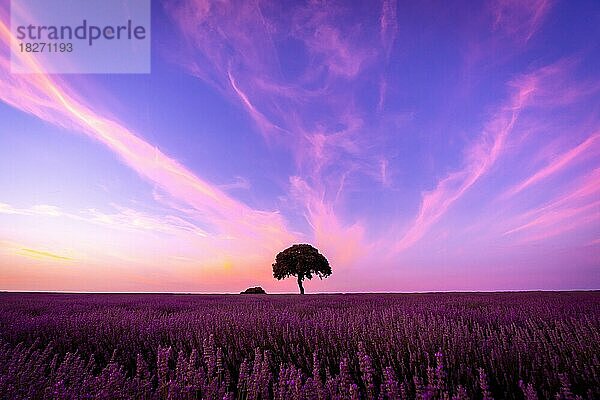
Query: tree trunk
column 300, row 277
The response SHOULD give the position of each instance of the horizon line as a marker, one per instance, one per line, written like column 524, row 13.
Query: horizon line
column 295, row 293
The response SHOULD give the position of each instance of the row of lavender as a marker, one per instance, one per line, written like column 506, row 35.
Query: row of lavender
column 426, row 346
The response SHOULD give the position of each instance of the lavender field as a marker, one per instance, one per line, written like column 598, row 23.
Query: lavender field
column 364, row 346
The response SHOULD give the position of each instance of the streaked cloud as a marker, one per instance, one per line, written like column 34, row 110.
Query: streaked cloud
column 121, row 218
column 48, row 99
column 479, row 158
column 43, row 255
column 239, row 183
column 577, row 206
column 562, row 161
column 519, row 19
column 388, row 24
column 342, row 243
column 38, row 209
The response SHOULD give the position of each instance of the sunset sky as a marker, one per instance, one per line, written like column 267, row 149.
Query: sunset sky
column 419, row 146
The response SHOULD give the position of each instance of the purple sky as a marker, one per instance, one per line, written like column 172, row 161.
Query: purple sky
column 418, row 146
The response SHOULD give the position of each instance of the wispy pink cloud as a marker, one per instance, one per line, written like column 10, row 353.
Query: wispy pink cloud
column 239, row 183
column 530, row 91
column 561, row 162
column 127, row 218
column 231, row 46
column 225, row 36
column 480, row 157
column 560, row 215
column 337, row 54
column 388, row 24
column 519, row 19
column 559, row 89
column 266, row 126
column 383, row 86
column 587, row 186
column 234, row 46
column 50, row 100
column 383, row 173
column 343, row 244
column 577, row 206
column 316, row 150
column 121, row 218
column 504, row 31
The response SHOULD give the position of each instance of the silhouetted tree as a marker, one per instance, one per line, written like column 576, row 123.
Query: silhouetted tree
column 302, row 261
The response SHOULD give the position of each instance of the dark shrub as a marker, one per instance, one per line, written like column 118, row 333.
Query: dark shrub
column 254, row 290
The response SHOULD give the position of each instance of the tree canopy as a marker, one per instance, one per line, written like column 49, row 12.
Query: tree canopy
column 302, row 261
